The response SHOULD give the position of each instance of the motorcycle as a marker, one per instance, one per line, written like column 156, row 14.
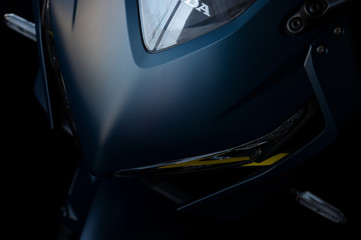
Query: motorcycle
column 185, row 107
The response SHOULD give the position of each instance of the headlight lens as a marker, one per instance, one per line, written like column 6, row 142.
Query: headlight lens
column 166, row 23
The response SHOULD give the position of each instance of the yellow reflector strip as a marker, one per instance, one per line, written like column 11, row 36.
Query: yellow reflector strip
column 205, row 162
column 268, row 161
column 202, row 162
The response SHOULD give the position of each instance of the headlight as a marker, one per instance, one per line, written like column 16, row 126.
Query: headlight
column 166, row 23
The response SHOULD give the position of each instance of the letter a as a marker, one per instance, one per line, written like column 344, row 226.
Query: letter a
column 205, row 9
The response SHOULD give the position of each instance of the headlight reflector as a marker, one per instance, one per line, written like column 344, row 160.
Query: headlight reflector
column 166, row 23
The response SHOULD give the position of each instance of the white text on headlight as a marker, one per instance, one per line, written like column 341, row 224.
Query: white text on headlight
column 201, row 7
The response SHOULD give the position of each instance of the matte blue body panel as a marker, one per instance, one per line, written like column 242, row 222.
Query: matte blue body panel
column 232, row 85
column 132, row 108
column 120, row 211
column 332, row 75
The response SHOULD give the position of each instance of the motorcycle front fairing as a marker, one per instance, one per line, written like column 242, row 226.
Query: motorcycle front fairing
column 185, row 101
column 208, row 122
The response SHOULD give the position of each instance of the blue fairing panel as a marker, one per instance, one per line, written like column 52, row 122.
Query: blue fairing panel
column 235, row 84
column 132, row 108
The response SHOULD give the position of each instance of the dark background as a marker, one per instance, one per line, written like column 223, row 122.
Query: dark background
column 38, row 163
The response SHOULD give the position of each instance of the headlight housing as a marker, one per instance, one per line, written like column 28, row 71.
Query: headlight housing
column 167, row 23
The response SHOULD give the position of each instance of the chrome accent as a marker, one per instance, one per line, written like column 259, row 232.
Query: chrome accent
column 319, row 206
column 21, row 25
